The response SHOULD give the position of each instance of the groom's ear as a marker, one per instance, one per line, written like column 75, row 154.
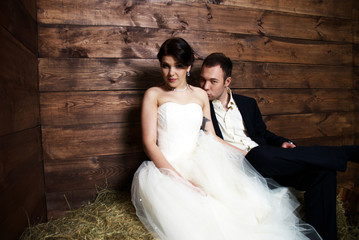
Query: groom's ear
column 227, row 81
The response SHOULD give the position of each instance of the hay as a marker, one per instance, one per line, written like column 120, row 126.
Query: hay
column 346, row 231
column 112, row 216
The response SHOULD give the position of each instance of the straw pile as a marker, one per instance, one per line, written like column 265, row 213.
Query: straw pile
column 112, row 216
column 346, row 231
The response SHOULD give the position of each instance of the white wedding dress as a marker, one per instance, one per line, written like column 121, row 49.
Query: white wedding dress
column 232, row 201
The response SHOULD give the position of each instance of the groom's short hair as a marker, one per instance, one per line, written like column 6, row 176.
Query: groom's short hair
column 215, row 59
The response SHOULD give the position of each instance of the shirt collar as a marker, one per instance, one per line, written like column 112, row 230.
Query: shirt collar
column 230, row 104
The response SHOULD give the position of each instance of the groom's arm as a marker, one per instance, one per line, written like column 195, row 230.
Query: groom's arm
column 260, row 128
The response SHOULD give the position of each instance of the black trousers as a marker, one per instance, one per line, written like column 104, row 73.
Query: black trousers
column 310, row 169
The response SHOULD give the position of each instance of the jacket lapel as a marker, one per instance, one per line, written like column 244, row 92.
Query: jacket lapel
column 214, row 121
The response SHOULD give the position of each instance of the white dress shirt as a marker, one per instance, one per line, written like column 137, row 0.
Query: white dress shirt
column 231, row 124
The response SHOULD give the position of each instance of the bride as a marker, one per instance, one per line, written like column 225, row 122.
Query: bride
column 196, row 186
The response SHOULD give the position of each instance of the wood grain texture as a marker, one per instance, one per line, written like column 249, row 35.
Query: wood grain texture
column 18, row 153
column 133, row 42
column 297, row 58
column 25, row 197
column 16, row 18
column 74, row 108
column 22, row 197
column 279, row 75
column 329, row 8
column 79, row 74
column 293, row 101
column 342, row 9
column 348, row 179
column 19, row 102
column 311, row 125
column 194, row 16
column 109, row 139
column 90, row 172
column 91, row 140
column 325, row 141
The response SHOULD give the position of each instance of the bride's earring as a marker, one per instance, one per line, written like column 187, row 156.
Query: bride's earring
column 188, row 74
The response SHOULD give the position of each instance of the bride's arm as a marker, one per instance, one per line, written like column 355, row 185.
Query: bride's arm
column 149, row 130
column 207, row 125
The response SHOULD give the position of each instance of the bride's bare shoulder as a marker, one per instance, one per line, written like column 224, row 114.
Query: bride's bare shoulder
column 154, row 91
column 199, row 91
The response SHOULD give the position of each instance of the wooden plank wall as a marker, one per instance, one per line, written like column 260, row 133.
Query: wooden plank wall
column 96, row 58
column 22, row 191
column 349, row 181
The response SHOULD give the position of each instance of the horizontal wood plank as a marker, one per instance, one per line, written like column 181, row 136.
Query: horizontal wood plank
column 85, row 173
column 22, row 199
column 289, row 101
column 194, row 16
column 19, row 101
column 91, row 140
column 325, row 141
column 78, row 74
column 97, row 57
column 73, row 74
column 123, row 42
column 342, row 9
column 19, row 152
column 311, row 125
column 349, row 179
column 72, row 108
column 276, row 75
column 330, row 8
column 20, row 22
column 121, row 138
column 304, row 27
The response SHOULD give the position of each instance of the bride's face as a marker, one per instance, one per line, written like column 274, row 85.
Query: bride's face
column 174, row 72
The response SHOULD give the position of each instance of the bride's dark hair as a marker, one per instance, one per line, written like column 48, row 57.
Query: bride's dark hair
column 179, row 49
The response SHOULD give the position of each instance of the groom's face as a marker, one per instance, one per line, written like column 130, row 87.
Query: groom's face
column 213, row 82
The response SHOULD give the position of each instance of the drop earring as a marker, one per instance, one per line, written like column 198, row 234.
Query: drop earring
column 188, row 74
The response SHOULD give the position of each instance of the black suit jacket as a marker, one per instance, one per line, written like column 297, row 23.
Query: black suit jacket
column 253, row 122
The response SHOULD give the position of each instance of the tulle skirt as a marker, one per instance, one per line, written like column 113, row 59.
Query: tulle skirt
column 219, row 197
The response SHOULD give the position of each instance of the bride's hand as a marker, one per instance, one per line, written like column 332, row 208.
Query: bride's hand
column 189, row 183
column 243, row 152
column 192, row 183
column 197, row 189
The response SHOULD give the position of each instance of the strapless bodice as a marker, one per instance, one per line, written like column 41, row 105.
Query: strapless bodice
column 178, row 128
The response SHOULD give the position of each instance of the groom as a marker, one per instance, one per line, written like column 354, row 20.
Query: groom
column 237, row 120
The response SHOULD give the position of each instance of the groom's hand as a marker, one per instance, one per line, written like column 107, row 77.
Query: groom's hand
column 288, row 145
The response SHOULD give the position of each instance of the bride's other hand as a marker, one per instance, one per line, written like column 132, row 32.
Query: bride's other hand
column 188, row 183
